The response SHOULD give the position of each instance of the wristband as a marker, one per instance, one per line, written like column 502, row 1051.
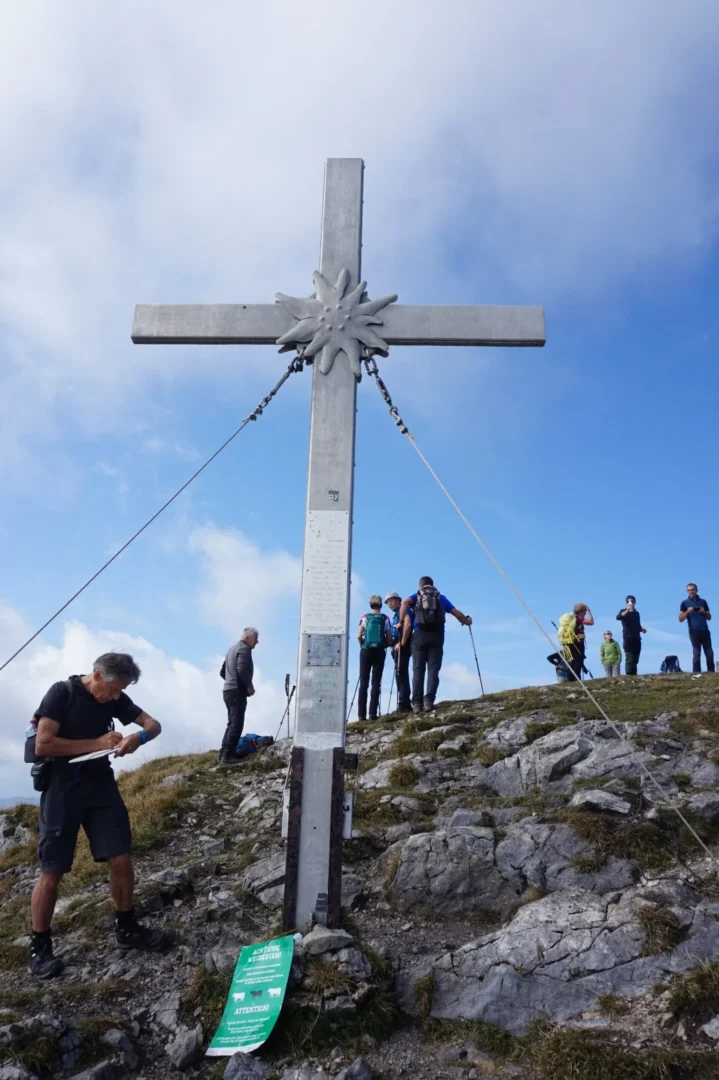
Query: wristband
column 143, row 737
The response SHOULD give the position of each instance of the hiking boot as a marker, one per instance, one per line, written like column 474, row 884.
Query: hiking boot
column 416, row 708
column 428, row 705
column 43, row 963
column 136, row 936
column 229, row 758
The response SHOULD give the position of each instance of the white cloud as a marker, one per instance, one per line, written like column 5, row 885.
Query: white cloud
column 169, row 152
column 242, row 585
column 185, row 697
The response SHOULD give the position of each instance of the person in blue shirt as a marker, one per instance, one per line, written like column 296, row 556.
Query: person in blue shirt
column 430, row 608
column 401, row 650
column 696, row 613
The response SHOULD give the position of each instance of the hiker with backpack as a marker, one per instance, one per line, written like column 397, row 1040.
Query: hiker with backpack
column 375, row 637
column 696, row 613
column 237, row 671
column 610, row 654
column 572, row 637
column 430, row 607
column 632, row 631
column 401, row 650
column 74, row 721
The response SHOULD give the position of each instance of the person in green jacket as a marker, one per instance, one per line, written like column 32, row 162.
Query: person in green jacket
column 610, row 653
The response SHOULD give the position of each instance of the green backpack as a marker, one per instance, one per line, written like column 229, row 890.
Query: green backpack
column 374, row 632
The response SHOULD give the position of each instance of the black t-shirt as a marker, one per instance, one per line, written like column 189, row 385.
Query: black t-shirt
column 80, row 716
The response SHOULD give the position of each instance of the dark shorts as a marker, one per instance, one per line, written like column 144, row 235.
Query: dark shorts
column 97, row 806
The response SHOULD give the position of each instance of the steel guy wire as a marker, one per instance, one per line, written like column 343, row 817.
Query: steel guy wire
column 371, row 367
column 295, row 365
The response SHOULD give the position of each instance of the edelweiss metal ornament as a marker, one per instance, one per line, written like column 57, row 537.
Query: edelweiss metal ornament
column 336, row 321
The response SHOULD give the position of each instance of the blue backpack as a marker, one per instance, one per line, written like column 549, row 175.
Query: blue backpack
column 670, row 665
column 250, row 744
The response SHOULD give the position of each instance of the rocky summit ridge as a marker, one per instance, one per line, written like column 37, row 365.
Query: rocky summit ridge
column 520, row 900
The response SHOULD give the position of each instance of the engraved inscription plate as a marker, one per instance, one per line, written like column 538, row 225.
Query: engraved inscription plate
column 325, row 572
column 324, row 650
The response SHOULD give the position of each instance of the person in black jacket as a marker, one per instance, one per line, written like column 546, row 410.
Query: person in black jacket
column 238, row 671
column 632, row 631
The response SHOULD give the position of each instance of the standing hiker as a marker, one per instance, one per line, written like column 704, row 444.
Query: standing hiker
column 375, row 636
column 430, row 608
column 610, row 654
column 632, row 630
column 75, row 718
column 572, row 637
column 237, row 671
column 696, row 612
column 401, row 650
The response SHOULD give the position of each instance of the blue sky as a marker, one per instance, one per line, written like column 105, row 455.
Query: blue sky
column 564, row 156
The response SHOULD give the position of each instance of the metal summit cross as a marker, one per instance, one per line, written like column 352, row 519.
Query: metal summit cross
column 335, row 328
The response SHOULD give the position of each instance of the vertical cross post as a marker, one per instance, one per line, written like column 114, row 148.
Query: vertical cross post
column 324, row 617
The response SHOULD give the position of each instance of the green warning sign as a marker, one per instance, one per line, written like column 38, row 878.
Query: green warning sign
column 255, row 998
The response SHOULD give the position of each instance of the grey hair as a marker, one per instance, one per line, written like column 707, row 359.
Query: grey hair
column 375, row 601
column 249, row 630
column 117, row 666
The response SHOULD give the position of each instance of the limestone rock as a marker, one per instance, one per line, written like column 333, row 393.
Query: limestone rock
column 596, row 799
column 173, row 779
column 612, row 758
column 558, row 955
column 509, row 735
column 461, row 869
column 711, row 1028
column 166, row 1011
column 185, row 1049
column 246, row 1067
column 543, row 761
column 706, row 805
column 104, row 1070
column 358, row 1070
column 16, row 1072
column 321, row 940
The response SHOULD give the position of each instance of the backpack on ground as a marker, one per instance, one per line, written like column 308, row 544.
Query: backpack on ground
column 670, row 665
column 374, row 631
column 250, row 744
column 428, row 611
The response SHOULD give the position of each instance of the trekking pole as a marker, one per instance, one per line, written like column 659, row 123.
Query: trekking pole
column 286, row 713
column 391, row 688
column 474, row 647
column 352, row 701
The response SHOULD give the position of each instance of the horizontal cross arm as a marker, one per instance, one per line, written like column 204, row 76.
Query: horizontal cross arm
column 466, row 325
column 402, row 324
column 209, row 324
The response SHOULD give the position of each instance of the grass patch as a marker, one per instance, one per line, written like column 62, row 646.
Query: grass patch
column 682, row 779
column 695, row 997
column 424, row 989
column 536, row 729
column 662, row 931
column 611, row 1005
column 493, row 1040
column 306, row 1031
column 392, row 868
column 560, row 1054
column 403, row 775
column 489, row 755
column 207, row 991
column 653, row 845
